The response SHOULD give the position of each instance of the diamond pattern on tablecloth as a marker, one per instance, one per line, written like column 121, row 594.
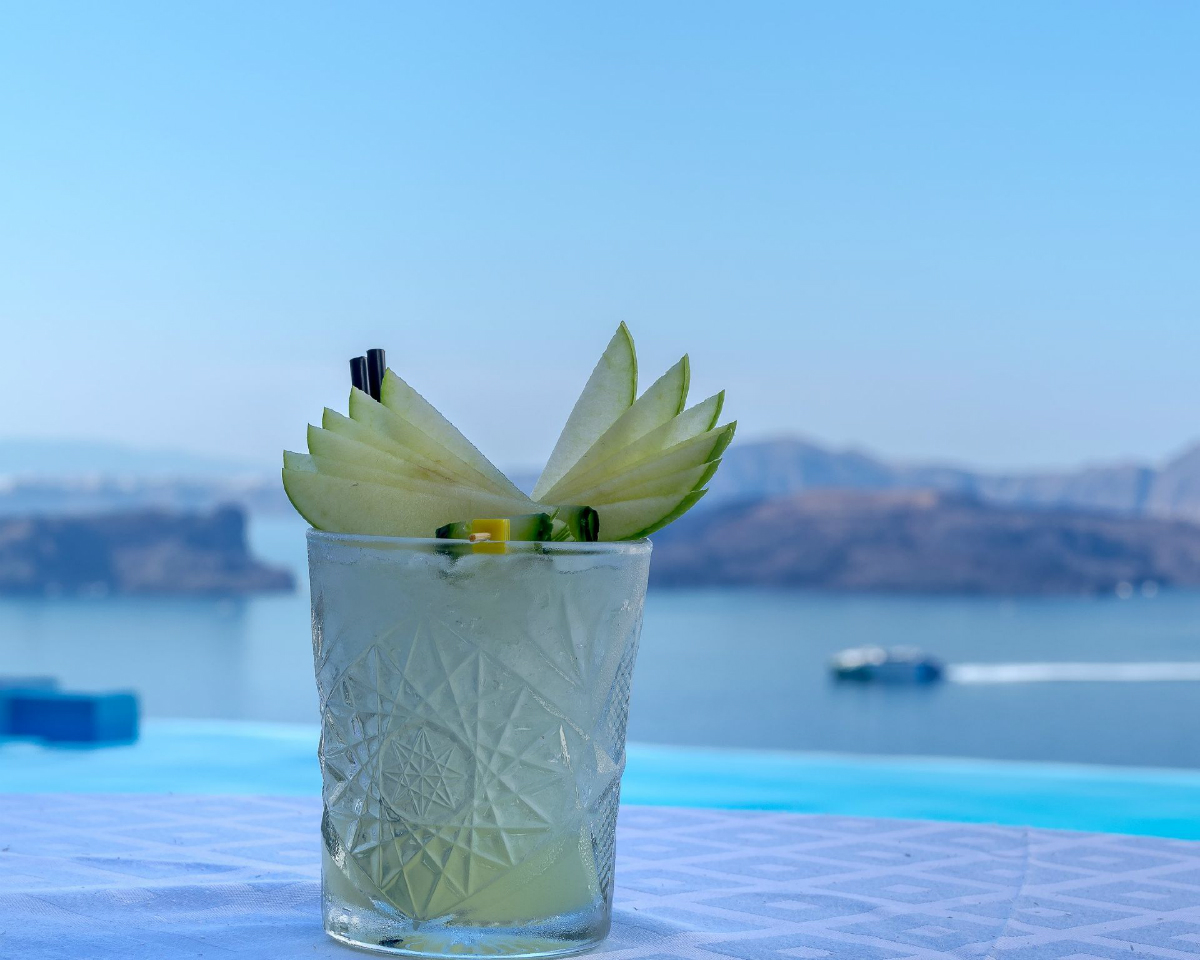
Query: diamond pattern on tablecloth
column 110, row 889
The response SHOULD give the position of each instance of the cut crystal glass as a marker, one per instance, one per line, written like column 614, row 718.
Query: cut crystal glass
column 473, row 737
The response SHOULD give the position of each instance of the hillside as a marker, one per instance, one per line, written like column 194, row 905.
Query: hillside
column 922, row 542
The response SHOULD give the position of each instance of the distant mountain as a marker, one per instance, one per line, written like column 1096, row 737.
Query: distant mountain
column 58, row 496
column 1175, row 490
column 925, row 542
column 772, row 468
column 20, row 457
column 758, row 470
column 83, row 476
column 78, row 477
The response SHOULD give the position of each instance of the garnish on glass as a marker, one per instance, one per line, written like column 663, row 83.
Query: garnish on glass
column 623, row 467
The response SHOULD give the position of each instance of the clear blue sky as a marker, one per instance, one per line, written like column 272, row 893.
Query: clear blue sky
column 939, row 230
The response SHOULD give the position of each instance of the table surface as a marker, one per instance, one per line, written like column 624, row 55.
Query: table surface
column 144, row 876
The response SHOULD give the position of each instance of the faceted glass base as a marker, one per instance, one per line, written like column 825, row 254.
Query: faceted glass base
column 561, row 937
column 515, row 947
column 369, row 924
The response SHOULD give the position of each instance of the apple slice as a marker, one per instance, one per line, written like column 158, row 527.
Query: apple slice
column 693, row 422
column 402, row 484
column 298, row 461
column 449, row 466
column 633, row 519
column 609, row 392
column 329, row 446
column 387, row 423
column 344, row 505
column 403, row 400
column 347, row 470
column 701, row 449
column 681, row 508
column 653, row 484
column 665, row 399
column 342, row 425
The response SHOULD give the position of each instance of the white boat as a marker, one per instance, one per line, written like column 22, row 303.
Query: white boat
column 878, row 665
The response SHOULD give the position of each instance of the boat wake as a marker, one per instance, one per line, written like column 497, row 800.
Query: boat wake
column 1073, row 672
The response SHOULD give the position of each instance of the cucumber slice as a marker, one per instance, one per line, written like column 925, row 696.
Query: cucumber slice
column 609, row 392
column 665, row 399
column 531, row 526
column 581, row 524
column 403, row 400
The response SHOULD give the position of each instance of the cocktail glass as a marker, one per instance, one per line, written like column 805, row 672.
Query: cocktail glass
column 473, row 737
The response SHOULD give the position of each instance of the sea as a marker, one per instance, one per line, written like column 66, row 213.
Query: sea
column 1112, row 680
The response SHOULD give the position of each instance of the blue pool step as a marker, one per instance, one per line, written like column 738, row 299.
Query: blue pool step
column 10, row 684
column 35, row 707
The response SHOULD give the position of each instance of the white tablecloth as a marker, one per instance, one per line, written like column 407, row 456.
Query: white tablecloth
column 164, row 877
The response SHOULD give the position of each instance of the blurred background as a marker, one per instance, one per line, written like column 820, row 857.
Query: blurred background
column 941, row 257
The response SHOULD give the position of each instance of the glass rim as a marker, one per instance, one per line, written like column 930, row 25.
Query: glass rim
column 515, row 547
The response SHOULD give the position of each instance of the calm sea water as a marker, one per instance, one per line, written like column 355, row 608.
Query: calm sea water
column 717, row 668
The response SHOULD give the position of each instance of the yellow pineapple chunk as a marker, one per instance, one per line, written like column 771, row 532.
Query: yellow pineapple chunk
column 497, row 531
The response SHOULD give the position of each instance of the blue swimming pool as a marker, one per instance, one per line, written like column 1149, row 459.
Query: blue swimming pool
column 220, row 757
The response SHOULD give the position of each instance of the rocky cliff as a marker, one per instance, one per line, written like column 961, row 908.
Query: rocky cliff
column 143, row 552
column 922, row 542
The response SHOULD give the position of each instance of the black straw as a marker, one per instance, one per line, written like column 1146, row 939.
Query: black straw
column 358, row 372
column 376, row 364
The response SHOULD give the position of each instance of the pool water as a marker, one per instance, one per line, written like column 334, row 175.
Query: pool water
column 222, row 757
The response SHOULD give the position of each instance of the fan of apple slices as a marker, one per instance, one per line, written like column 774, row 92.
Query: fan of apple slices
column 396, row 467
